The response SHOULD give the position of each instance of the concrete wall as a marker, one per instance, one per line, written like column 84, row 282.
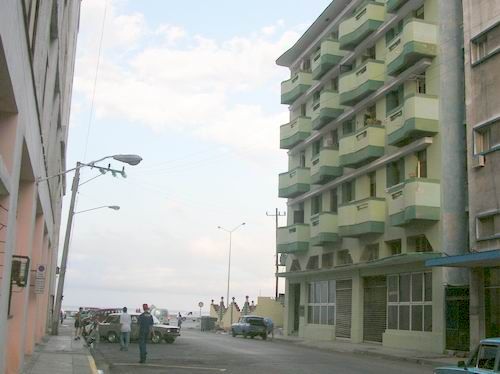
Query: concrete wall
column 37, row 52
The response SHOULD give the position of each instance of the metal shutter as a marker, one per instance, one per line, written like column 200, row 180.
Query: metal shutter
column 374, row 310
column 344, row 308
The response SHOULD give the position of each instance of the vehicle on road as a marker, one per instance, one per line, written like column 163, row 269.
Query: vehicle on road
column 251, row 326
column 484, row 359
column 110, row 329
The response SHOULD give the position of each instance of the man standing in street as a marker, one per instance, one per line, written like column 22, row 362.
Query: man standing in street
column 145, row 322
column 125, row 322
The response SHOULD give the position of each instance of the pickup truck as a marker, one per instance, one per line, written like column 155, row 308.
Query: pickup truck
column 251, row 326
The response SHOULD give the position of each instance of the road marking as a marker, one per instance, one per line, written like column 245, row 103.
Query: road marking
column 169, row 366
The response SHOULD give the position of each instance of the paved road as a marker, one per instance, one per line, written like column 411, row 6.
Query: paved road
column 199, row 352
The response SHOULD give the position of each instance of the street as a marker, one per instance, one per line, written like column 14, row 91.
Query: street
column 205, row 352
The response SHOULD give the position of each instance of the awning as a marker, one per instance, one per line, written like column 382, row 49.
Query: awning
column 470, row 260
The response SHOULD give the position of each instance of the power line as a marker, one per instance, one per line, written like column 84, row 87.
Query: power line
column 276, row 214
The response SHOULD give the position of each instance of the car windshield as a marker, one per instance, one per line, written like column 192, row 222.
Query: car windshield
column 256, row 321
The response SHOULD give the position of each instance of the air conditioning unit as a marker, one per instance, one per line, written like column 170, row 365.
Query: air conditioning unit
column 478, row 161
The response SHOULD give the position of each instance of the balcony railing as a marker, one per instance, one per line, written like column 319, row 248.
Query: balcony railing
column 418, row 40
column 326, row 109
column 417, row 118
column 294, row 182
column 362, row 217
column 294, row 238
column 362, row 147
column 362, row 23
column 415, row 199
column 325, row 166
column 361, row 82
column 324, row 229
column 294, row 132
column 326, row 57
column 292, row 88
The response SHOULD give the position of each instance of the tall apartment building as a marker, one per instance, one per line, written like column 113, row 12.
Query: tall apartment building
column 482, row 81
column 37, row 54
column 376, row 177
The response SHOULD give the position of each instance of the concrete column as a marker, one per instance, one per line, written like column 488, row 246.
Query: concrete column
column 288, row 309
column 476, row 306
column 452, row 135
column 357, row 308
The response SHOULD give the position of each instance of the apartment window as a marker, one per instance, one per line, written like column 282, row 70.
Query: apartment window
column 488, row 226
column 321, row 303
column 420, row 82
column 348, row 192
column 418, row 243
column 303, row 110
column 295, row 266
column 333, row 139
column 394, row 99
column 409, row 302
column 316, row 97
column 420, row 13
column 316, row 205
column 348, row 127
column 335, row 84
column 316, row 148
column 333, row 201
column 344, row 257
column 394, row 247
column 395, row 172
column 302, row 159
column 373, row 184
column 394, row 32
column 369, row 54
column 313, row 263
column 422, row 164
column 298, row 214
column 486, row 45
column 327, row 260
column 487, row 138
column 370, row 253
column 306, row 65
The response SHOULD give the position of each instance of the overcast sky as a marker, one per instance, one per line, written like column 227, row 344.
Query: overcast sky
column 193, row 88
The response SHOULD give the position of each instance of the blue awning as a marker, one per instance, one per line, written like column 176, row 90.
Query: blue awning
column 470, row 260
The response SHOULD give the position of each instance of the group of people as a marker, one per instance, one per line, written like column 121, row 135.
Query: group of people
column 145, row 323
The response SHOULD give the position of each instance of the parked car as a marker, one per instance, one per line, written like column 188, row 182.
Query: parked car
column 484, row 359
column 250, row 326
column 110, row 329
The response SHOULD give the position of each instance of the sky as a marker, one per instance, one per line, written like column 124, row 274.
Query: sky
column 192, row 87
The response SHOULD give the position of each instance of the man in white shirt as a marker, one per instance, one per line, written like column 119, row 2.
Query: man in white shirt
column 125, row 322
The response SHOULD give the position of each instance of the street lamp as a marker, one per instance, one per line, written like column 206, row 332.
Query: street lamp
column 229, row 262
column 114, row 207
column 127, row 159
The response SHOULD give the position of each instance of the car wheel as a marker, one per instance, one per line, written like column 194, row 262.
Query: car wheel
column 156, row 337
column 169, row 339
column 233, row 333
column 264, row 336
column 112, row 337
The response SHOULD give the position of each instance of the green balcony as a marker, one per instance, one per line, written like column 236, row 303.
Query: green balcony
column 325, row 166
column 362, row 23
column 326, row 109
column 294, row 132
column 362, row 147
column 294, row 238
column 417, row 199
column 328, row 55
column 294, row 182
column 355, row 85
column 417, row 118
column 394, row 5
column 292, row 88
column 324, row 229
column 362, row 217
column 418, row 40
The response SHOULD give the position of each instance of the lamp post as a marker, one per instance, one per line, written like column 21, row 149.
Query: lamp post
column 128, row 159
column 229, row 261
column 114, row 207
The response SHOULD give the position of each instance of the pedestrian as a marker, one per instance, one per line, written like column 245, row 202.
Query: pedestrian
column 145, row 322
column 125, row 322
column 179, row 320
column 78, row 323
column 61, row 316
column 269, row 326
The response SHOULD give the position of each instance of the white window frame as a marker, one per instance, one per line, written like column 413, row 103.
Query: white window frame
column 311, row 305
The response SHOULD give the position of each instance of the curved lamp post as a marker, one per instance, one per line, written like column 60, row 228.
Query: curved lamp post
column 229, row 261
column 114, row 207
column 129, row 159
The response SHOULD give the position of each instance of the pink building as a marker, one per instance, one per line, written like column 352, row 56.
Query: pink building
column 37, row 54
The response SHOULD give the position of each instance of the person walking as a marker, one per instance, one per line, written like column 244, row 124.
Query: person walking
column 145, row 322
column 179, row 320
column 78, row 323
column 125, row 322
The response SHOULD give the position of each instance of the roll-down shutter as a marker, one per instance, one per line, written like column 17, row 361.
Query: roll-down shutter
column 344, row 308
column 374, row 311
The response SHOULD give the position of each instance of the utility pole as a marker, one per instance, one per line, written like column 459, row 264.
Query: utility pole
column 276, row 214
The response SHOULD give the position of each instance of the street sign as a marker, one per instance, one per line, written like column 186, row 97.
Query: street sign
column 41, row 272
column 200, row 304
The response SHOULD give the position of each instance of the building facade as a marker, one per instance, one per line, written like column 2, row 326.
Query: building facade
column 376, row 183
column 482, row 81
column 37, row 54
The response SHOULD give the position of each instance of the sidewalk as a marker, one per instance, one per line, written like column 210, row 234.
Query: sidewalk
column 61, row 354
column 373, row 349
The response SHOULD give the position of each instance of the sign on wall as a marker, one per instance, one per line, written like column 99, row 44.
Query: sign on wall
column 41, row 272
